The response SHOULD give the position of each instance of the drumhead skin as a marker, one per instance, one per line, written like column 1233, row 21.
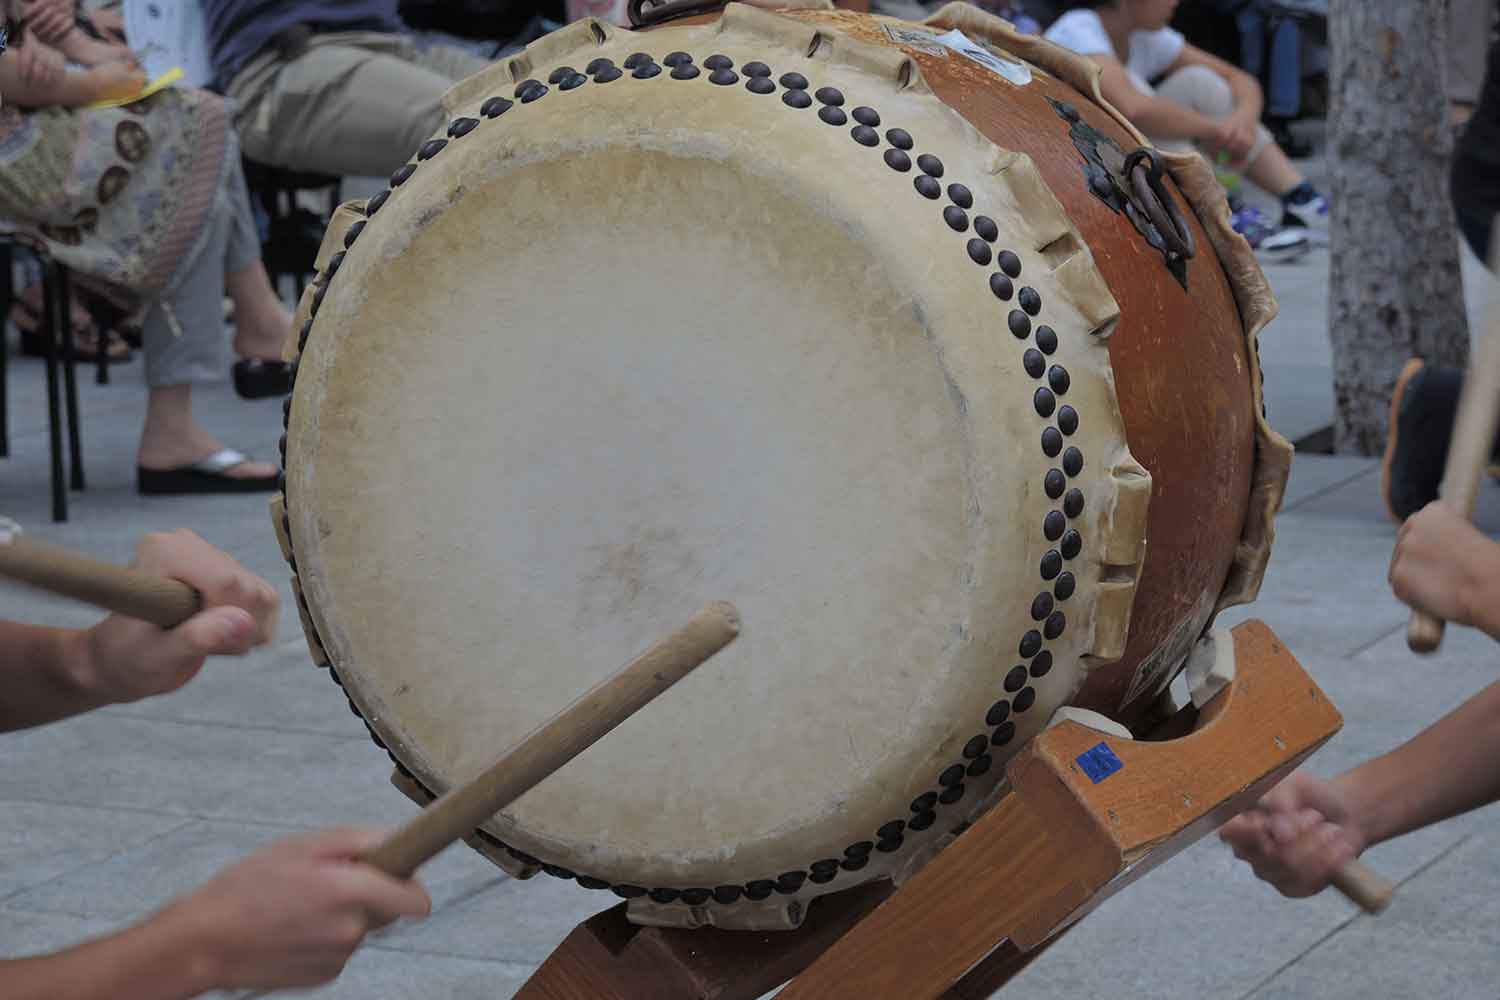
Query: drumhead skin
column 744, row 310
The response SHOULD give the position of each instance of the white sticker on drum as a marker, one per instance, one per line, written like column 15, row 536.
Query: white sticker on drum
column 1016, row 72
column 915, row 38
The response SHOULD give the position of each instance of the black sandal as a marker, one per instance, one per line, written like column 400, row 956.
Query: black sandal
column 257, row 379
column 205, row 476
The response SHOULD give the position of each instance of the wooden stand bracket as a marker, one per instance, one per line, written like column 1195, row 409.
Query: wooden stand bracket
column 1088, row 813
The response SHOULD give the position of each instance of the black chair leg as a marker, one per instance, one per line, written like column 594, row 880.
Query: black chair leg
column 51, row 339
column 70, row 379
column 7, row 298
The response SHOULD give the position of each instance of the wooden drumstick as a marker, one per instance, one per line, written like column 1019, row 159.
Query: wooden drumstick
column 155, row 599
column 567, row 734
column 1471, row 443
column 554, row 743
column 1364, row 886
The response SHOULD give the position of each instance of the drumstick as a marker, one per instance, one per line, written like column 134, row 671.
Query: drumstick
column 1473, row 438
column 554, row 743
column 155, row 599
column 1364, row 886
column 558, row 740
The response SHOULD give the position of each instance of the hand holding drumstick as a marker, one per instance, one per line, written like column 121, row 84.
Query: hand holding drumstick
column 292, row 914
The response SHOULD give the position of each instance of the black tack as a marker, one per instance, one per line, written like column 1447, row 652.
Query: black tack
column 1067, row 420
column 1072, row 461
column 760, row 85
column 724, row 77
column 756, row 69
column 1010, row 263
column 897, row 160
column 979, row 252
column 794, row 81
column 831, row 115
column 799, row 99
column 1002, row 287
column 829, row 96
column 866, row 116
column 1030, row 300
column 957, row 218
column 1073, row 502
column 899, row 137
column 865, row 135
column 1020, row 323
column 927, row 187
column 962, row 196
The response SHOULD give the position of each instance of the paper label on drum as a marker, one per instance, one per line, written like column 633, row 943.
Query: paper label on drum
column 1015, row 72
column 1099, row 762
column 913, row 38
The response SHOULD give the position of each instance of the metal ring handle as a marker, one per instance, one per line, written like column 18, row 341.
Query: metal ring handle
column 1144, row 168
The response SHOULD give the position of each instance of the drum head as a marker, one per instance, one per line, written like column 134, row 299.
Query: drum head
column 638, row 344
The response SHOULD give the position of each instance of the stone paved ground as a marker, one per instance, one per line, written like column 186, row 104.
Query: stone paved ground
column 105, row 817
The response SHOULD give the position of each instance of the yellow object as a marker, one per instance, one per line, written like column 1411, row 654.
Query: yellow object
column 162, row 82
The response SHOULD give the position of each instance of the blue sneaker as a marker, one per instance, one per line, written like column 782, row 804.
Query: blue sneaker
column 1311, row 216
column 1271, row 243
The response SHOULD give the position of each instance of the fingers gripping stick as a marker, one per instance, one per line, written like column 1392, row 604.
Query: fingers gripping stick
column 556, row 742
column 1473, row 438
column 159, row 600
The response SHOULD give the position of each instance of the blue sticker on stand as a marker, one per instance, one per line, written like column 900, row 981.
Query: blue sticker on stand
column 1099, row 762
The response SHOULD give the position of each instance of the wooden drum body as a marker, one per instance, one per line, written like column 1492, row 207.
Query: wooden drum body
column 811, row 311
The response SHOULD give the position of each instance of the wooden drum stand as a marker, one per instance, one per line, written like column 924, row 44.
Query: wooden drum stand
column 1088, row 813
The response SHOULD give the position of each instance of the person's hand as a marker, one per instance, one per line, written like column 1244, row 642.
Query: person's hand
column 115, row 80
column 40, row 66
column 1446, row 567
column 1235, row 135
column 292, row 915
column 1298, row 836
column 49, row 20
column 109, row 22
column 126, row 660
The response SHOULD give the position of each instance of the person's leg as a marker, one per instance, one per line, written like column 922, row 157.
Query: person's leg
column 1284, row 80
column 184, row 343
column 343, row 110
column 1469, row 25
column 449, row 61
column 261, row 319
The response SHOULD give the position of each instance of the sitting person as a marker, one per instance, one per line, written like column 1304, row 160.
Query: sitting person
column 1200, row 102
column 330, row 88
column 146, row 205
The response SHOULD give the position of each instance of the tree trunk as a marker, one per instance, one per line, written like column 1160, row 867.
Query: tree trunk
column 1395, row 290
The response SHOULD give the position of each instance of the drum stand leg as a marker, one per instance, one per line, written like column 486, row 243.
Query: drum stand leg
column 1088, row 813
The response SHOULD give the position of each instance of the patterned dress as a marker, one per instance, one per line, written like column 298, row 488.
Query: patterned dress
column 121, row 196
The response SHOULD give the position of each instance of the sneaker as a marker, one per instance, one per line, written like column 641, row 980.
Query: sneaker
column 1271, row 243
column 1424, row 402
column 1311, row 216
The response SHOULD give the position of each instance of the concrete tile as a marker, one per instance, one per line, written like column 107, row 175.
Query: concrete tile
column 1313, row 475
column 203, row 771
column 375, row 974
column 276, row 688
column 1435, row 940
column 23, row 933
column 1325, row 589
column 1200, row 926
column 40, row 841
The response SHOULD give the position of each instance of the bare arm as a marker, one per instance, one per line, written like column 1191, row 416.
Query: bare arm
column 1156, row 116
column 288, row 916
column 49, row 674
column 66, row 88
column 1249, row 101
column 153, row 961
column 1400, row 791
